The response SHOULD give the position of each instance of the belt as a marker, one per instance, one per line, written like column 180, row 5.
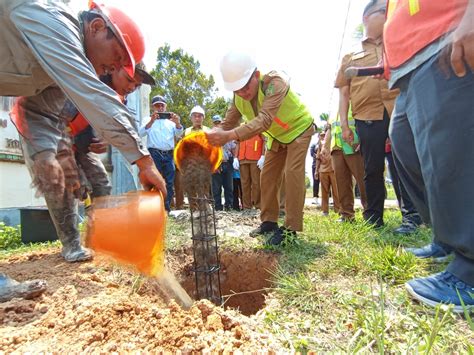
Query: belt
column 161, row 151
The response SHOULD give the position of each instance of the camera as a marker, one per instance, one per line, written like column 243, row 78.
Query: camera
column 163, row 115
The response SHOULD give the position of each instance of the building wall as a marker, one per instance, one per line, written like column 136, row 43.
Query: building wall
column 15, row 180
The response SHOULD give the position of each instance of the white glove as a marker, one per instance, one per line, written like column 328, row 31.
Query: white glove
column 260, row 162
column 236, row 164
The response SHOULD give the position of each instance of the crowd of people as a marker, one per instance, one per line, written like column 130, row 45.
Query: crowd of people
column 417, row 116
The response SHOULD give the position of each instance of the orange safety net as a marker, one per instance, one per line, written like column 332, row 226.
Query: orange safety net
column 197, row 142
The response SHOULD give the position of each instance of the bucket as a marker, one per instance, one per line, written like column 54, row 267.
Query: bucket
column 197, row 143
column 130, row 228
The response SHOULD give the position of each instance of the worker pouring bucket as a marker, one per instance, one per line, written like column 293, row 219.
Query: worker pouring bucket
column 197, row 141
column 130, row 228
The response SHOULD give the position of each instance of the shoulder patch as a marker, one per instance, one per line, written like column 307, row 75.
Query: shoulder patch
column 270, row 89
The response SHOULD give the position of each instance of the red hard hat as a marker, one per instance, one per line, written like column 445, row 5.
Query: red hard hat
column 126, row 30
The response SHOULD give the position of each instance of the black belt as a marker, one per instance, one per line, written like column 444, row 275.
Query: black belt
column 162, row 151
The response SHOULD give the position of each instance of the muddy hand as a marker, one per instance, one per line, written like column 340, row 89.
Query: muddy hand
column 149, row 176
column 97, row 146
column 48, row 173
column 71, row 171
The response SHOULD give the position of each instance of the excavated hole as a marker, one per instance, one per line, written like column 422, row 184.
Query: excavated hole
column 242, row 271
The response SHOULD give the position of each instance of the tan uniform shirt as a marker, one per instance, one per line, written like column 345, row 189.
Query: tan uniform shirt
column 369, row 96
column 275, row 87
column 325, row 165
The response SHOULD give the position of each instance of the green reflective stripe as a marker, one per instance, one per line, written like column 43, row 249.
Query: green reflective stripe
column 291, row 120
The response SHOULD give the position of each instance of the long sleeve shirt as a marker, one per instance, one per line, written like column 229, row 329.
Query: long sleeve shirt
column 275, row 86
column 41, row 46
column 161, row 135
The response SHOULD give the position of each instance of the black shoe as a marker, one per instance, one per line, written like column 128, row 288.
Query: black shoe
column 405, row 228
column 264, row 228
column 280, row 235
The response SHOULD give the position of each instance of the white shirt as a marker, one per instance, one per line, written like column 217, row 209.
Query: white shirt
column 161, row 134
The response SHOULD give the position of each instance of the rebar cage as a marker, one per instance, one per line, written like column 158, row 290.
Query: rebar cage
column 205, row 250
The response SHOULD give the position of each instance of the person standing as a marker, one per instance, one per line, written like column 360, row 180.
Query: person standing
column 249, row 161
column 347, row 163
column 328, row 180
column 222, row 179
column 314, row 169
column 271, row 107
column 372, row 104
column 161, row 130
column 197, row 117
column 430, row 132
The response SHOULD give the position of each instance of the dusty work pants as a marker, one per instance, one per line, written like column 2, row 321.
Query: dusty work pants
column 434, row 117
column 328, row 181
column 250, row 181
column 346, row 166
column 63, row 210
column 288, row 159
column 95, row 173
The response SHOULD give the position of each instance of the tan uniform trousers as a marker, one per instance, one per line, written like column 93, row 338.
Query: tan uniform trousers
column 328, row 181
column 178, row 191
column 288, row 159
column 250, row 181
column 346, row 166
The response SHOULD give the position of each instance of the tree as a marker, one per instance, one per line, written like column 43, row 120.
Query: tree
column 180, row 81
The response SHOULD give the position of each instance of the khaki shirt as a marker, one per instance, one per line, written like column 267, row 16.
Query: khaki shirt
column 369, row 96
column 325, row 165
column 264, row 117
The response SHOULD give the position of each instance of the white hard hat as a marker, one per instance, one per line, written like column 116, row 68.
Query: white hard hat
column 236, row 69
column 198, row 109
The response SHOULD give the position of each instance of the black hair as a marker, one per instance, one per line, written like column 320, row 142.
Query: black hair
column 89, row 16
column 369, row 6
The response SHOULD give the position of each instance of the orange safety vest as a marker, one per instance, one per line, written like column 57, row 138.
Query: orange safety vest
column 251, row 149
column 412, row 25
column 79, row 123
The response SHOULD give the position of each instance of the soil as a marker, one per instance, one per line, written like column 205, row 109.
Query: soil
column 100, row 307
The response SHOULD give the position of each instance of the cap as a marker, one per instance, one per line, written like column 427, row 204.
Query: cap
column 216, row 118
column 158, row 99
column 147, row 78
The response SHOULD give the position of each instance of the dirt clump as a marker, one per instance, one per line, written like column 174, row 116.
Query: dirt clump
column 91, row 308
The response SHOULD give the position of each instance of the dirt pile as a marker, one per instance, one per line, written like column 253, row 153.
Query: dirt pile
column 91, row 308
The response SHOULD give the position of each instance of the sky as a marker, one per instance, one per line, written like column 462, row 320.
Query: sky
column 304, row 38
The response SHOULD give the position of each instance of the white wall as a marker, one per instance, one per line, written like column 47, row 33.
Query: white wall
column 15, row 180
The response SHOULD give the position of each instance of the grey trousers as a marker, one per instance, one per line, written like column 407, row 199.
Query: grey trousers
column 432, row 133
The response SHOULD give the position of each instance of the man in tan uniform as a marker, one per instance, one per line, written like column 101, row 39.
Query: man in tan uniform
column 271, row 108
column 325, row 174
column 345, row 167
column 372, row 105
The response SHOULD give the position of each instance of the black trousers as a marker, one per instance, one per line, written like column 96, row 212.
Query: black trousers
column 408, row 210
column 372, row 136
column 315, row 183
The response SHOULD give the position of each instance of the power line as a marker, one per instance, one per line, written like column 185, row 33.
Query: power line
column 340, row 51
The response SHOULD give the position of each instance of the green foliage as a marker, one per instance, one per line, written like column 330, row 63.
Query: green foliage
column 10, row 237
column 179, row 79
column 324, row 117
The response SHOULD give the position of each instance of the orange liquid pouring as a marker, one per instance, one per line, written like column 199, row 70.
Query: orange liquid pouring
column 131, row 229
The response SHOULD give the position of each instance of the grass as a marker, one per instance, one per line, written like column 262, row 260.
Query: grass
column 340, row 288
